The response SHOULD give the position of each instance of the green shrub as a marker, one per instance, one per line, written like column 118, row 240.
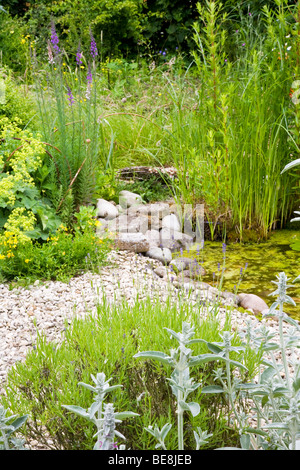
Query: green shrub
column 62, row 256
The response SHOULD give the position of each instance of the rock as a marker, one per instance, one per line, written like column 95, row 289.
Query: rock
column 174, row 240
column 161, row 254
column 159, row 209
column 252, row 302
column 178, row 265
column 153, row 237
column 139, row 209
column 230, row 297
column 171, row 222
column 161, row 271
column 106, row 210
column 136, row 242
column 102, row 226
column 128, row 199
column 194, row 271
column 129, row 223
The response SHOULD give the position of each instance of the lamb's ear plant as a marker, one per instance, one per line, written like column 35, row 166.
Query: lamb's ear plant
column 8, row 425
column 102, row 415
column 275, row 397
column 181, row 383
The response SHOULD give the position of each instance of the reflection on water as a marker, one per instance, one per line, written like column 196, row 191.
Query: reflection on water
column 263, row 260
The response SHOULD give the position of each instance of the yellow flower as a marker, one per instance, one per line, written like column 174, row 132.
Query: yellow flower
column 27, row 260
column 23, row 41
column 2, row 257
column 10, row 254
column 63, row 253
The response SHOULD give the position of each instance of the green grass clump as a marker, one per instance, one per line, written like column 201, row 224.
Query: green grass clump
column 107, row 343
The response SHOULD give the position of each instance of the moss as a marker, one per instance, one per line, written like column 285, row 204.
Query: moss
column 265, row 260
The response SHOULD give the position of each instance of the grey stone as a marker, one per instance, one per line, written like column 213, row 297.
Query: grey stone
column 178, row 265
column 128, row 199
column 136, row 242
column 153, row 237
column 129, row 223
column 174, row 240
column 161, row 254
column 171, row 222
column 252, row 302
column 106, row 210
column 161, row 271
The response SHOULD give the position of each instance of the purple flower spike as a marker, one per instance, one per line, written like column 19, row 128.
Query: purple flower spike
column 89, row 77
column 71, row 101
column 224, row 247
column 94, row 50
column 54, row 38
column 79, row 56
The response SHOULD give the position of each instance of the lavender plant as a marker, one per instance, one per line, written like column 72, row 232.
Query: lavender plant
column 102, row 415
column 67, row 100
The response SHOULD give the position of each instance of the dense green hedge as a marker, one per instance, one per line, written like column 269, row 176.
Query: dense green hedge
column 124, row 27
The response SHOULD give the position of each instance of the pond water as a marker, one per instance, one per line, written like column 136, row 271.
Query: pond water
column 264, row 260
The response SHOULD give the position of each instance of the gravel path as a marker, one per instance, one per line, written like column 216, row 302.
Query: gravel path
column 46, row 306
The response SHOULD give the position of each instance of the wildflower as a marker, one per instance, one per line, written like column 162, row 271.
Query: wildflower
column 79, row 56
column 70, row 96
column 94, row 51
column 54, row 38
column 224, row 248
column 50, row 54
column 89, row 77
column 27, row 260
column 2, row 256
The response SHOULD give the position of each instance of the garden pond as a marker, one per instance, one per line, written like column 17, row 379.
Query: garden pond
column 263, row 261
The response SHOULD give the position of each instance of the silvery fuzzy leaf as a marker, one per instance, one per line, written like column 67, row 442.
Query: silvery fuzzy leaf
column 268, row 374
column 17, row 423
column 93, row 409
column 203, row 358
column 175, row 335
column 212, row 389
column 77, row 409
column 176, row 386
column 245, row 441
column 276, row 426
column 89, row 387
column 296, row 384
column 112, row 387
column 291, row 165
column 118, row 434
column 164, row 430
column 237, row 364
column 125, row 414
column 192, row 407
column 155, row 355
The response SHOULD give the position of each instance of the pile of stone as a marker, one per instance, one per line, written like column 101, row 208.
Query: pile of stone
column 155, row 231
